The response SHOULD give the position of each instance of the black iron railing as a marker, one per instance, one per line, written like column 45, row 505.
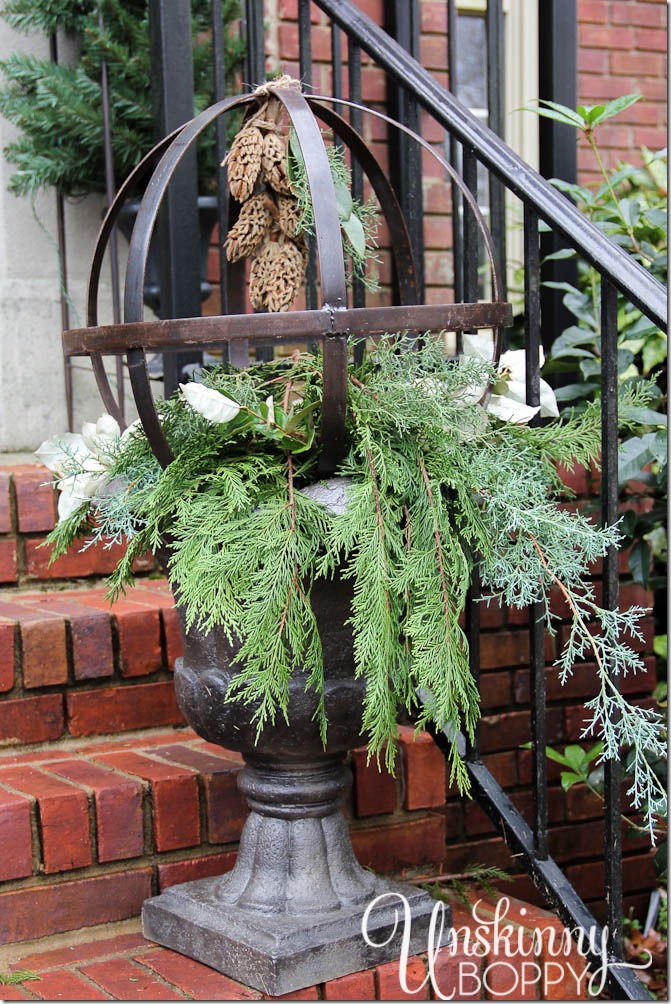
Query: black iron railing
column 411, row 90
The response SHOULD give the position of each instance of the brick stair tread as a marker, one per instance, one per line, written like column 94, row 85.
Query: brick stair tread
column 123, row 965
column 91, row 827
column 73, row 665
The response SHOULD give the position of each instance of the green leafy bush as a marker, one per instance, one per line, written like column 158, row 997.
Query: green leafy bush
column 630, row 208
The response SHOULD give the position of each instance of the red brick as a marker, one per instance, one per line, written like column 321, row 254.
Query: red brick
column 16, row 838
column 389, row 981
column 125, row 980
column 35, row 500
column 139, row 630
column 31, row 719
column 457, row 975
column 512, row 728
column 433, row 17
column 652, row 15
column 5, row 502
column 509, row 648
column 118, row 803
column 174, row 872
column 75, row 953
column 651, row 40
column 636, row 63
column 14, row 993
column 63, row 817
column 44, row 660
column 424, row 770
column 122, row 709
column 64, row 985
column 90, row 634
column 172, row 636
column 375, row 791
column 38, row 911
column 592, row 11
column 7, row 654
column 193, row 978
column 226, row 808
column 8, row 561
column 494, row 690
column 76, row 563
column 174, row 798
column 355, row 987
column 306, row 994
column 512, row 977
column 603, row 37
column 402, row 845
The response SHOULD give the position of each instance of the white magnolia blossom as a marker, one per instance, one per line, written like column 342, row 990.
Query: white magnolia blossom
column 81, row 461
column 508, row 399
column 210, row 403
column 270, row 405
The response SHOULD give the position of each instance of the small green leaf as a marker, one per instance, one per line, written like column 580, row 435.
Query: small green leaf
column 616, row 106
column 639, row 562
column 558, row 112
column 576, row 758
column 355, row 235
column 568, row 779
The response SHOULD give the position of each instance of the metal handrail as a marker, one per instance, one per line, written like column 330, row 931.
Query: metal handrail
column 633, row 281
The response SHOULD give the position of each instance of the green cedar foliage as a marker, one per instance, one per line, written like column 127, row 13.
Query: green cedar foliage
column 58, row 108
column 437, row 485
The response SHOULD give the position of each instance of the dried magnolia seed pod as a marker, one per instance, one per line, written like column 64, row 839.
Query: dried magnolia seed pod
column 288, row 215
column 276, row 276
column 274, row 163
column 250, row 228
column 244, row 162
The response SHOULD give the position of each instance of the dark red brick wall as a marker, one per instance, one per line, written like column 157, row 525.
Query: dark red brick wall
column 622, row 47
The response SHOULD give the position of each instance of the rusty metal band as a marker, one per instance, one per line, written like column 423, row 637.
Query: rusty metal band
column 174, row 333
column 137, row 259
column 465, row 191
column 330, row 255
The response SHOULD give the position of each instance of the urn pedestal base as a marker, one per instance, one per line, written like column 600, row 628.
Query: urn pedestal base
column 291, row 911
column 278, row 953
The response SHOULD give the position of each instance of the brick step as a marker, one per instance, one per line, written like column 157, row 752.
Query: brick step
column 28, row 511
column 72, row 665
column 125, row 966
column 90, row 829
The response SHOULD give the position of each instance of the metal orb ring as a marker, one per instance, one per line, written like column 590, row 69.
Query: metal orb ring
column 332, row 324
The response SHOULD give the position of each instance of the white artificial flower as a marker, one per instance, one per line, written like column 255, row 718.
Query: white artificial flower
column 59, row 452
column 81, row 461
column 210, row 403
column 270, row 405
column 102, row 437
column 508, row 399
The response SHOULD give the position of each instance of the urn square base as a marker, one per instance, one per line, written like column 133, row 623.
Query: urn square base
column 278, row 953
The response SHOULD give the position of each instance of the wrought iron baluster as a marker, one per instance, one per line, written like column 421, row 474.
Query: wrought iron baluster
column 609, row 513
column 255, row 69
column 470, row 291
column 404, row 156
column 470, row 229
column 63, row 272
column 177, row 226
column 532, row 331
column 455, row 158
column 495, row 93
column 110, row 190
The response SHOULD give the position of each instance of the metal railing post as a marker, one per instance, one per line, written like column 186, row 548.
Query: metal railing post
column 177, row 227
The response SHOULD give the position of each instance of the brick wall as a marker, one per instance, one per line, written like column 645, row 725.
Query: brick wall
column 622, row 48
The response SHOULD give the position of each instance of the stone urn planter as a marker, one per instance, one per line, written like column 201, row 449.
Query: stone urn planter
column 290, row 912
column 297, row 908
